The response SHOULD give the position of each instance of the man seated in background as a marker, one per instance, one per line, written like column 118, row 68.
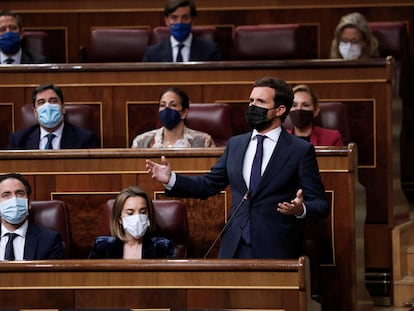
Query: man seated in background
column 182, row 45
column 52, row 131
column 20, row 239
column 11, row 35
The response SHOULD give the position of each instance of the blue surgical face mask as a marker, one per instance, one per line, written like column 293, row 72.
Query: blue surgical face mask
column 14, row 210
column 10, row 42
column 49, row 115
column 169, row 118
column 180, row 31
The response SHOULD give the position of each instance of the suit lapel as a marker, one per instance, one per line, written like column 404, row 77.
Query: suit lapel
column 30, row 245
column 33, row 139
column 68, row 139
column 166, row 51
column 238, row 159
column 279, row 157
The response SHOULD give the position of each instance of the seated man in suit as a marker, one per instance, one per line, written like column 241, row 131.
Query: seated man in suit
column 20, row 239
column 52, row 131
column 11, row 34
column 182, row 46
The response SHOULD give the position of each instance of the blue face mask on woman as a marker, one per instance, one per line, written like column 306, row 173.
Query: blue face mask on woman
column 180, row 31
column 49, row 115
column 14, row 210
column 169, row 118
column 10, row 42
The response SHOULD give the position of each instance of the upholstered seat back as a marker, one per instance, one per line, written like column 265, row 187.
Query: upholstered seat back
column 171, row 220
column 333, row 115
column 117, row 45
column 77, row 114
column 275, row 41
column 52, row 214
column 393, row 41
column 35, row 42
column 212, row 118
column 161, row 33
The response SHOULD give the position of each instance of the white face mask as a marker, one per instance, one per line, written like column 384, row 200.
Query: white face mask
column 14, row 210
column 350, row 50
column 136, row 225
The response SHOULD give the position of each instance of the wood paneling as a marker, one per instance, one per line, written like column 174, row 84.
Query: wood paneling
column 86, row 178
column 365, row 87
column 79, row 17
column 157, row 284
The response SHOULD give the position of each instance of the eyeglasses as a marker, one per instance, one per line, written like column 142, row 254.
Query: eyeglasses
column 353, row 41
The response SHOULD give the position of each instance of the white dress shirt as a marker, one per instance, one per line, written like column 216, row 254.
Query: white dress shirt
column 55, row 141
column 269, row 145
column 18, row 242
column 16, row 57
column 185, row 51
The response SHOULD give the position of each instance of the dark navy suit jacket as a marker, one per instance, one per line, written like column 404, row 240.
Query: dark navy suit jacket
column 201, row 50
column 73, row 137
column 42, row 243
column 29, row 58
column 292, row 166
column 109, row 247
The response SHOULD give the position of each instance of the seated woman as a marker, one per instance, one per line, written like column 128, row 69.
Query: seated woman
column 353, row 39
column 132, row 225
column 304, row 110
column 173, row 110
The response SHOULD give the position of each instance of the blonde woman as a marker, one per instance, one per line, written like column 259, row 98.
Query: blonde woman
column 353, row 39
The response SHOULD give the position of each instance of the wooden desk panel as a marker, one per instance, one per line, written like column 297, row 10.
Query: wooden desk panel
column 158, row 284
column 365, row 88
column 121, row 89
column 86, row 178
column 80, row 16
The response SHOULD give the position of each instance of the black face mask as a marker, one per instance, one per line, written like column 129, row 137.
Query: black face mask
column 301, row 118
column 257, row 118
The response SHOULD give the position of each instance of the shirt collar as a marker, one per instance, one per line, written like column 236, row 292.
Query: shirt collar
column 273, row 134
column 186, row 42
column 17, row 57
column 57, row 132
column 21, row 231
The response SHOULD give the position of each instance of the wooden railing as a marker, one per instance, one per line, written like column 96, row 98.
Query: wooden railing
column 157, row 284
column 124, row 97
column 84, row 179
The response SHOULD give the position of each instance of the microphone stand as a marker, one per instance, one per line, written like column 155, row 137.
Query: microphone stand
column 244, row 199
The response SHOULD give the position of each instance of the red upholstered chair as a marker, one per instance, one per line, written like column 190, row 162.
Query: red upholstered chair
column 77, row 114
column 161, row 33
column 333, row 115
column 212, row 118
column 393, row 41
column 171, row 220
column 52, row 214
column 275, row 41
column 117, row 45
column 35, row 42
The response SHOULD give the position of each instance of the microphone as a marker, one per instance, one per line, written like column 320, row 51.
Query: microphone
column 244, row 199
